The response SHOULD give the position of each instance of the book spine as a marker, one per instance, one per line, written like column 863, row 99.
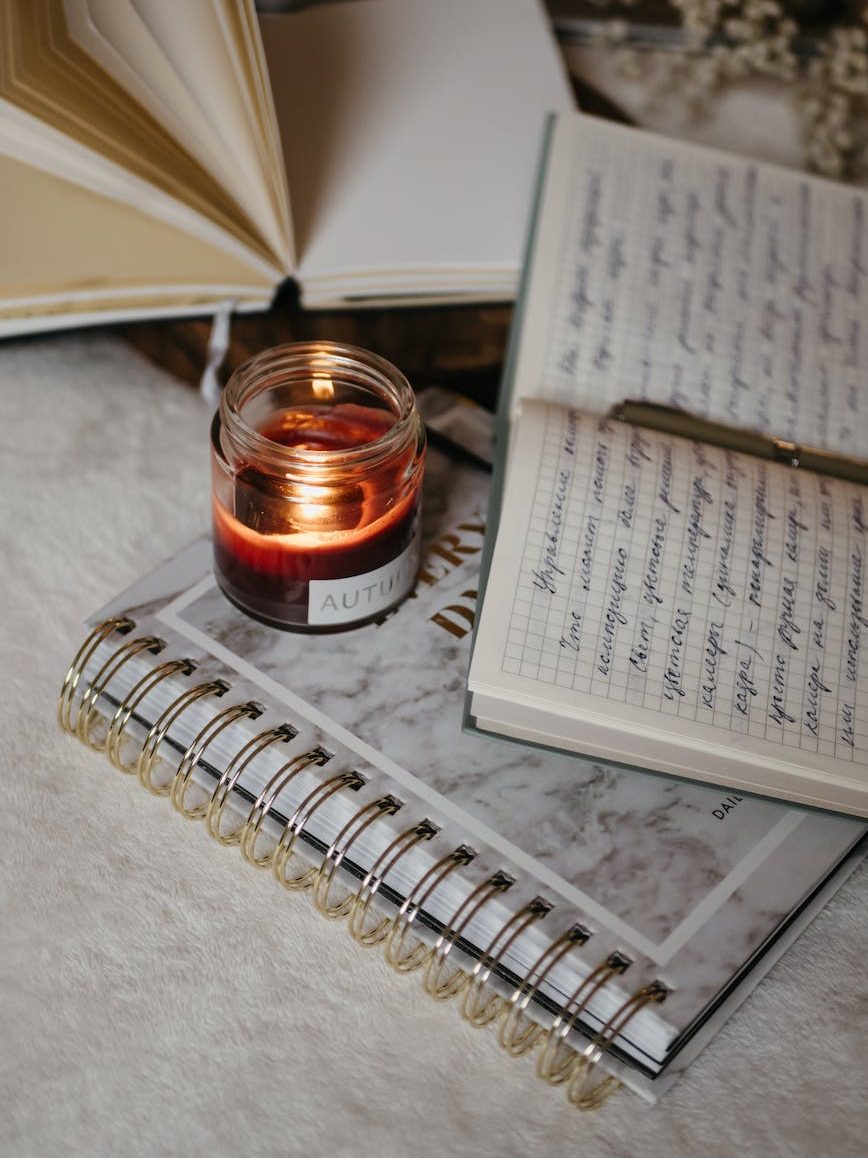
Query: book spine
column 520, row 1013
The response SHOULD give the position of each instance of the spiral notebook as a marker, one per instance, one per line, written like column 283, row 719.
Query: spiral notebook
column 604, row 923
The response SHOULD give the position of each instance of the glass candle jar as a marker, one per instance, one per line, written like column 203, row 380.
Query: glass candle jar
column 317, row 460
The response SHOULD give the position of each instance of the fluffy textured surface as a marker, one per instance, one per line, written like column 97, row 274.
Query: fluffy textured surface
column 160, row 998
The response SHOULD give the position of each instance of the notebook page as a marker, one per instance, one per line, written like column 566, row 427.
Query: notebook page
column 687, row 598
column 682, row 275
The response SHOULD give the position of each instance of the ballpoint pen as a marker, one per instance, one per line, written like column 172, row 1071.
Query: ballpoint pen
column 671, row 420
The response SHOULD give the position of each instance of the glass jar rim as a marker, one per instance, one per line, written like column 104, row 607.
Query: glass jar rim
column 371, row 371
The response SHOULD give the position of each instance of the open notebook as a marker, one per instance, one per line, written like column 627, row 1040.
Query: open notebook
column 160, row 157
column 603, row 922
column 683, row 598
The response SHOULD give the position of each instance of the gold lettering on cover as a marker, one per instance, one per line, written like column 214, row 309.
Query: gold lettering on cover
column 450, row 551
column 449, row 618
column 445, row 555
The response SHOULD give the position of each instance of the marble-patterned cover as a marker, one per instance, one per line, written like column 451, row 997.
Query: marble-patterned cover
column 688, row 880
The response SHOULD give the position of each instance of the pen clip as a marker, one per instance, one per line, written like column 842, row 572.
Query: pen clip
column 786, row 452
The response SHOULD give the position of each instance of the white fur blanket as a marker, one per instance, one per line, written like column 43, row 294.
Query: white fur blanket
column 160, row 998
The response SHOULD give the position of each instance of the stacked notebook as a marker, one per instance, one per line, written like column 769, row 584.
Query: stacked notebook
column 159, row 158
column 602, row 922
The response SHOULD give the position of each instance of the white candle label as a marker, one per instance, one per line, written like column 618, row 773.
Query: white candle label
column 335, row 601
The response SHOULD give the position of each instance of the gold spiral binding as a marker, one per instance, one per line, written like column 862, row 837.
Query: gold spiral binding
column 131, row 701
column 231, row 775
column 89, row 702
column 148, row 756
column 443, row 990
column 405, row 961
column 519, row 1033
column 121, row 624
column 481, row 1015
column 556, row 1061
column 378, row 872
column 285, row 848
column 196, row 750
column 340, row 846
column 265, row 802
column 587, row 1097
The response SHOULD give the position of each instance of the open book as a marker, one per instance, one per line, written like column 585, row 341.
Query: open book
column 657, row 600
column 160, row 158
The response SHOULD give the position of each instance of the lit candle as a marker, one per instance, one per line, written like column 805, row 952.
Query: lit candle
column 317, row 460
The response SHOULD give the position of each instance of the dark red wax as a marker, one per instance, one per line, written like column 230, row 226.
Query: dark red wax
column 338, row 427
column 258, row 564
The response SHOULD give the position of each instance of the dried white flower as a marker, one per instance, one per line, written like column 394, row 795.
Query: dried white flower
column 728, row 40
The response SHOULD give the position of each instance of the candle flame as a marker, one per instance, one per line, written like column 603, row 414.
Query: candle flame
column 323, row 387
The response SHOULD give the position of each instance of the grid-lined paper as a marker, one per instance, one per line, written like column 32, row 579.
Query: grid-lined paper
column 691, row 582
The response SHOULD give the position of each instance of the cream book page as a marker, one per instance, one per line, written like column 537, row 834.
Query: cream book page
column 221, row 78
column 46, row 77
column 410, row 133
column 119, row 41
column 65, row 248
column 679, row 607
column 682, row 275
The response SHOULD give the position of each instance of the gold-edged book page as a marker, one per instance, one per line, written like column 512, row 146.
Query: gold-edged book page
column 114, row 35
column 219, row 80
column 244, row 39
column 67, row 249
column 43, row 72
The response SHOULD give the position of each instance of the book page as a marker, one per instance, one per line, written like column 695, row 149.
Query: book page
column 45, row 76
column 411, row 135
column 116, row 37
column 67, row 249
column 695, row 596
column 681, row 275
